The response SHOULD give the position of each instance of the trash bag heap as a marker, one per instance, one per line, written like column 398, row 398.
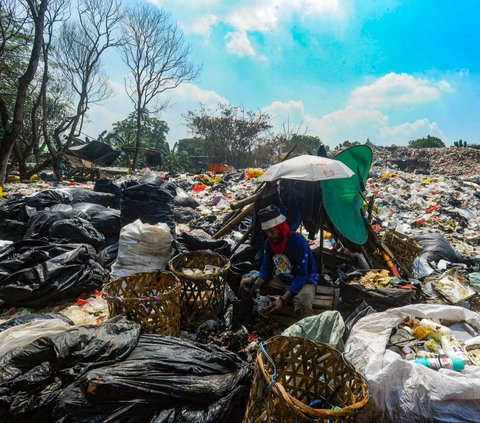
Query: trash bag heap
column 397, row 245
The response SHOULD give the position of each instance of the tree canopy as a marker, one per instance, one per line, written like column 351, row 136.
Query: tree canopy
column 428, row 142
column 230, row 132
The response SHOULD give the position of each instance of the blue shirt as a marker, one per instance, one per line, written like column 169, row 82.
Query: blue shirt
column 294, row 267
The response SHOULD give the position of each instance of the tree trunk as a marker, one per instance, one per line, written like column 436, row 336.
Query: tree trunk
column 10, row 136
column 137, row 139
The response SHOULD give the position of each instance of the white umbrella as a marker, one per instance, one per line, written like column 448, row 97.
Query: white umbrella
column 307, row 168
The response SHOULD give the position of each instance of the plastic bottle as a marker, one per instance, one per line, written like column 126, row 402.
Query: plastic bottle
column 456, row 364
column 437, row 329
column 421, row 332
column 453, row 348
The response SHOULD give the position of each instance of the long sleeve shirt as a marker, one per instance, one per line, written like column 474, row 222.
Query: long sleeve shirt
column 294, row 267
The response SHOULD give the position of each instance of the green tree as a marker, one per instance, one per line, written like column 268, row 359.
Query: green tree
column 306, row 144
column 428, row 142
column 460, row 143
column 230, row 133
column 192, row 146
column 123, row 136
column 348, row 143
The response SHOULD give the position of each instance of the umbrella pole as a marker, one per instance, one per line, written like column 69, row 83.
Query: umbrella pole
column 320, row 260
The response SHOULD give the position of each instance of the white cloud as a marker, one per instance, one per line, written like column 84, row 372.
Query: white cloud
column 239, row 44
column 265, row 15
column 396, row 89
column 350, row 123
column 410, row 130
column 283, row 112
column 202, row 26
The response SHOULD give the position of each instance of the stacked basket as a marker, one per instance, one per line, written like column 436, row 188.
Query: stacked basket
column 202, row 295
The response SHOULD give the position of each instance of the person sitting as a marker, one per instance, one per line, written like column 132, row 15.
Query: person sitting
column 288, row 267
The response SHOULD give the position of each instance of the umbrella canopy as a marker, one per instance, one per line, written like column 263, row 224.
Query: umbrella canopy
column 307, row 168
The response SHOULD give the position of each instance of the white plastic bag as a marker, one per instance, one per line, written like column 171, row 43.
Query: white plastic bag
column 142, row 248
column 403, row 391
column 21, row 335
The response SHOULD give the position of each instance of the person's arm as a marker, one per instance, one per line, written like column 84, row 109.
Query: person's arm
column 301, row 266
column 266, row 268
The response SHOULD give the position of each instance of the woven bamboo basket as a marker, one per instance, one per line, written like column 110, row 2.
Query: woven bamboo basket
column 404, row 249
column 151, row 299
column 305, row 371
column 202, row 296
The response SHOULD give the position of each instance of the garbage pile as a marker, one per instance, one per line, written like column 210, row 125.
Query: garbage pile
column 63, row 359
column 448, row 161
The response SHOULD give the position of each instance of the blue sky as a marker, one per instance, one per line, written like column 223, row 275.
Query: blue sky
column 386, row 70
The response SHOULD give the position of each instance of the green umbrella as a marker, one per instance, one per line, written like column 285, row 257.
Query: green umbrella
column 343, row 199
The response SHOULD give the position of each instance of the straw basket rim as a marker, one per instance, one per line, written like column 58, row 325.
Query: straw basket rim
column 223, row 269
column 300, row 406
column 173, row 290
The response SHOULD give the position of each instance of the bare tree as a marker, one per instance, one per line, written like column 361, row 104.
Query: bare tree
column 78, row 53
column 157, row 55
column 12, row 122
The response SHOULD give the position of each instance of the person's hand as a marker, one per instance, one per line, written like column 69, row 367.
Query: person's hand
column 254, row 290
column 277, row 306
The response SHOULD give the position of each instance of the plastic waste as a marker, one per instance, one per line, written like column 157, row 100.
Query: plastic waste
column 177, row 381
column 453, row 348
column 442, row 362
column 437, row 330
column 142, row 248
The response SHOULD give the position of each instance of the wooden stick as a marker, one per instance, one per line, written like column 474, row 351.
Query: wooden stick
column 242, row 203
column 234, row 221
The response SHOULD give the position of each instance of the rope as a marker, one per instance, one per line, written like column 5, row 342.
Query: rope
column 270, row 360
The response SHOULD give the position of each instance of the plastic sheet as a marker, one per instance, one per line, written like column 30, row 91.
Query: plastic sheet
column 180, row 379
column 327, row 327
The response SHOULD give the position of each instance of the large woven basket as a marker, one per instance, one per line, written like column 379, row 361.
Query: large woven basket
column 305, row 372
column 404, row 249
column 202, row 295
column 151, row 299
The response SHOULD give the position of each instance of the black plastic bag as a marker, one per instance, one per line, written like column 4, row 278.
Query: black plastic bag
column 185, row 200
column 184, row 214
column 148, row 202
column 436, row 248
column 76, row 231
column 32, row 377
column 45, row 276
column 40, row 223
column 109, row 186
column 163, row 379
column 12, row 230
column 81, row 195
column 22, row 208
column 195, row 242
column 31, row 317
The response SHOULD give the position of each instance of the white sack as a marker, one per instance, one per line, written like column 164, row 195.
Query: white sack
column 142, row 248
column 406, row 392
